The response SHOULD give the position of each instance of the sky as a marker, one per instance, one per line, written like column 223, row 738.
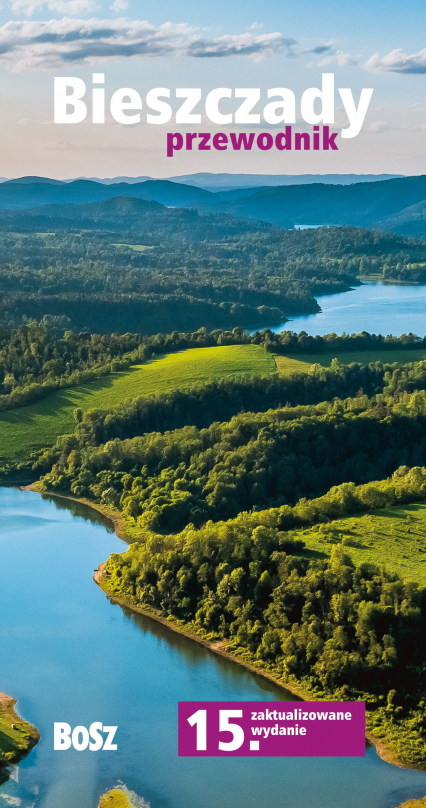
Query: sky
column 276, row 43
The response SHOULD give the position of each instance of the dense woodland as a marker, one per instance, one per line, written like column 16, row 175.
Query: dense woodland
column 340, row 630
column 38, row 357
column 213, row 510
column 190, row 271
column 221, row 400
column 252, row 462
column 212, row 482
column 289, row 342
column 351, row 632
column 249, row 564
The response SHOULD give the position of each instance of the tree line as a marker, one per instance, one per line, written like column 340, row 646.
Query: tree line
column 41, row 356
column 162, row 270
column 254, row 461
column 344, row 631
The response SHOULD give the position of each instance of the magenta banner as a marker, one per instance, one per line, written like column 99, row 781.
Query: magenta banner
column 284, row 728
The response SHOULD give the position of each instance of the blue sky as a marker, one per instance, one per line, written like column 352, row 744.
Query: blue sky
column 366, row 44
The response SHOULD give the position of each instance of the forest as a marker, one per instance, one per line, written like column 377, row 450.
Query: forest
column 165, row 480
column 213, row 483
column 340, row 630
column 132, row 265
column 41, row 356
column 395, row 204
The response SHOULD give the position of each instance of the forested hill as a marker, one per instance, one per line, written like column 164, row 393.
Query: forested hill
column 223, row 486
column 131, row 265
column 394, row 204
column 39, row 192
column 126, row 214
column 363, row 204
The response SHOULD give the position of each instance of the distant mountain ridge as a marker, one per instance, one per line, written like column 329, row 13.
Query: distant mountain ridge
column 361, row 204
column 223, row 182
column 395, row 204
column 127, row 214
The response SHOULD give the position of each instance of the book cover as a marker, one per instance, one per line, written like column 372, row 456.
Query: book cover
column 212, row 404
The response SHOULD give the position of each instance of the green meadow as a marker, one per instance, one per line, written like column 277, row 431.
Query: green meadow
column 393, row 537
column 292, row 364
column 26, row 429
column 135, row 247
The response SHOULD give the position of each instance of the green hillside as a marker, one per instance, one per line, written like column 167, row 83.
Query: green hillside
column 29, row 428
column 300, row 363
column 391, row 537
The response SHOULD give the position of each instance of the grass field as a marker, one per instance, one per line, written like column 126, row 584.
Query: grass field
column 293, row 364
column 286, row 365
column 25, row 429
column 135, row 247
column 393, row 537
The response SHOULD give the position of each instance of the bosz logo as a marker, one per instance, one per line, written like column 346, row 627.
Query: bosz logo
column 80, row 737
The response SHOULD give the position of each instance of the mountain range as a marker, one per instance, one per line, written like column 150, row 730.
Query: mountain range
column 148, row 219
column 397, row 205
column 229, row 182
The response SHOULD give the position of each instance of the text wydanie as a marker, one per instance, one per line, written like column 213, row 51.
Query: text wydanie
column 317, row 106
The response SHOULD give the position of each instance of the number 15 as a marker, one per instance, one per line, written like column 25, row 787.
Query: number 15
column 200, row 720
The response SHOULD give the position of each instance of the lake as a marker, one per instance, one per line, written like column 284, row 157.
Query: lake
column 374, row 307
column 69, row 655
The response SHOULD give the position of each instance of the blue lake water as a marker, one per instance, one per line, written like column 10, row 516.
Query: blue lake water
column 69, row 655
column 374, row 307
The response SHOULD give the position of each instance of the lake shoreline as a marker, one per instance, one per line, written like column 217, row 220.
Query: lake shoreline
column 110, row 513
column 217, row 647
column 22, row 736
column 376, row 305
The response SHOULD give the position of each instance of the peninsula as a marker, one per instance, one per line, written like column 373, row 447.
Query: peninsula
column 17, row 737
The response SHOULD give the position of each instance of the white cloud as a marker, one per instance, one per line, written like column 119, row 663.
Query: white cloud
column 397, row 62
column 344, row 59
column 57, row 43
column 71, row 7
column 339, row 57
column 260, row 46
column 119, row 5
column 378, row 127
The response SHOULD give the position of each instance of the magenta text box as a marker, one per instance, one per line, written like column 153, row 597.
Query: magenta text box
column 272, row 728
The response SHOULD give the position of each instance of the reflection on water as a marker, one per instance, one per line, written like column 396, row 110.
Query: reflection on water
column 68, row 654
column 79, row 509
column 196, row 654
